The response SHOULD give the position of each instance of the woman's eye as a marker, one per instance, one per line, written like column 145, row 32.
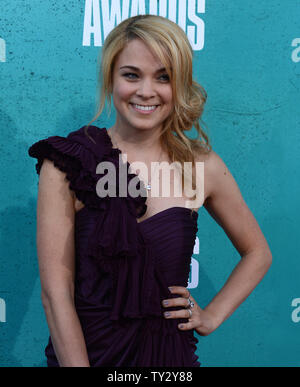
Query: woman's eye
column 127, row 75
column 166, row 77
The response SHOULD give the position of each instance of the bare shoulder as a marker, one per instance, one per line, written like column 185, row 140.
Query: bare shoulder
column 215, row 172
column 54, row 188
column 225, row 203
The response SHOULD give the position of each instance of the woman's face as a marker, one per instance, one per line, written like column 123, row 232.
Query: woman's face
column 144, row 86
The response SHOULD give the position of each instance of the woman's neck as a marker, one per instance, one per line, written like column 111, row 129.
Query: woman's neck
column 140, row 144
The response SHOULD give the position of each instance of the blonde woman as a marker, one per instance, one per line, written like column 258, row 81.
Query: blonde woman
column 111, row 267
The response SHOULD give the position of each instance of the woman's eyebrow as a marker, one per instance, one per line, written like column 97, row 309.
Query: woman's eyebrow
column 137, row 69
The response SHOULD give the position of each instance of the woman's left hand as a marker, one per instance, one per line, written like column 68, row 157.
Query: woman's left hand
column 200, row 320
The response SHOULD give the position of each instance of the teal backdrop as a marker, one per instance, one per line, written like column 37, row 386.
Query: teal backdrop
column 247, row 57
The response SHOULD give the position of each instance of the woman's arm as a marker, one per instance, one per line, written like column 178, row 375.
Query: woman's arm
column 224, row 202
column 55, row 248
column 227, row 206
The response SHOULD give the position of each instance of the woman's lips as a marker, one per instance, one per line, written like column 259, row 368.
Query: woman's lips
column 143, row 111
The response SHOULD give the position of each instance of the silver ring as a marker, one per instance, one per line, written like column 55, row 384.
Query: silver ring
column 190, row 313
column 191, row 304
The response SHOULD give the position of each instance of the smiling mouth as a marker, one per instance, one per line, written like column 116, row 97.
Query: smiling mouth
column 144, row 108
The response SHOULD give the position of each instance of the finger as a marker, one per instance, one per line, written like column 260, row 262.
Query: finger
column 184, row 313
column 180, row 290
column 180, row 301
column 187, row 326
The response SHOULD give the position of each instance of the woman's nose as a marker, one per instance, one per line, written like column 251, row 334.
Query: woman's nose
column 145, row 89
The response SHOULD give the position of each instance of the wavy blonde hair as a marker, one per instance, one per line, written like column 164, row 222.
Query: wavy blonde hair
column 170, row 44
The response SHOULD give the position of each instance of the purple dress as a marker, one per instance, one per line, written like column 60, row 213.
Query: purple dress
column 123, row 267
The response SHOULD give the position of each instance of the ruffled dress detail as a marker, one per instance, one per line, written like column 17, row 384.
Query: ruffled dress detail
column 123, row 268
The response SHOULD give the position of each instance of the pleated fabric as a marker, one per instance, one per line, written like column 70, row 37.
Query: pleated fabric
column 123, row 267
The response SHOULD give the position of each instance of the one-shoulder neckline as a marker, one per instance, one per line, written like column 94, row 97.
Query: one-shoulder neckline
column 170, row 209
column 156, row 215
column 194, row 215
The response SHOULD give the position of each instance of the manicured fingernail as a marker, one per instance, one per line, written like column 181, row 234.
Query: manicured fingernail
column 180, row 326
column 165, row 303
column 167, row 314
column 170, row 288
